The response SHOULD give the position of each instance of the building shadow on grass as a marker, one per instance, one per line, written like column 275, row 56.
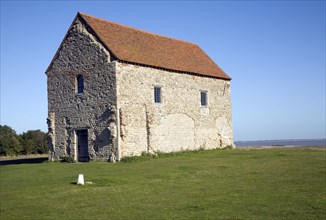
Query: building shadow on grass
column 23, row 161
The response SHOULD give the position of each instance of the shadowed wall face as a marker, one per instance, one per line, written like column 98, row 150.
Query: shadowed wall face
column 81, row 96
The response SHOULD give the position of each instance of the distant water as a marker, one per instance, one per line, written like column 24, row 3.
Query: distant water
column 291, row 142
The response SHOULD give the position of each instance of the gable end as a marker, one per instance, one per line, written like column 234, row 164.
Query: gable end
column 89, row 31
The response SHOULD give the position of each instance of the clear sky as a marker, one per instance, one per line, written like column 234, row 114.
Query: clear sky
column 273, row 50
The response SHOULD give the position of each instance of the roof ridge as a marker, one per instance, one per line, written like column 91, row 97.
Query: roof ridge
column 136, row 29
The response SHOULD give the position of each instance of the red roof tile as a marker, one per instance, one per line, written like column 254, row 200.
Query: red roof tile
column 140, row 47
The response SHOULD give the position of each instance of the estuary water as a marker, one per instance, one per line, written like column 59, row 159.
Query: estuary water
column 289, row 142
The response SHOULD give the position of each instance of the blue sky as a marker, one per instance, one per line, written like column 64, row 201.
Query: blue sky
column 273, row 50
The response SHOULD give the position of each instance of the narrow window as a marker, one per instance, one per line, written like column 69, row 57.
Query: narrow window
column 157, row 94
column 80, row 84
column 203, row 98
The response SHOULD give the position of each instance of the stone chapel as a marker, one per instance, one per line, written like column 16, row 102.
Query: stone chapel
column 116, row 91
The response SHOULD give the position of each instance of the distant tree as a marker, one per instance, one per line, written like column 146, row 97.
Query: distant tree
column 34, row 142
column 9, row 141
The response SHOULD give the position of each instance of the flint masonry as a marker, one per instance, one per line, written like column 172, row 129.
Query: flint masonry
column 116, row 91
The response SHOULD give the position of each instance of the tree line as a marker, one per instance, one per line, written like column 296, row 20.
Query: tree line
column 30, row 142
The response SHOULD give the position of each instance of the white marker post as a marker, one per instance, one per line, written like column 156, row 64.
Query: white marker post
column 80, row 180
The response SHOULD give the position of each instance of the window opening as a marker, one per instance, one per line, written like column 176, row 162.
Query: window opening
column 80, row 84
column 203, row 98
column 157, row 94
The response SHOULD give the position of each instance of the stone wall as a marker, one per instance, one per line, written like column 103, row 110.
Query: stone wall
column 95, row 109
column 179, row 122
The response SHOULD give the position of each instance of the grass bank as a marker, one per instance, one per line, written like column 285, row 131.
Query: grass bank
column 217, row 184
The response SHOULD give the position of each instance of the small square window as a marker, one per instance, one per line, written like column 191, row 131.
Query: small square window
column 157, row 94
column 203, row 98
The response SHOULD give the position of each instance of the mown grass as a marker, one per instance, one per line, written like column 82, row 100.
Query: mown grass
column 230, row 184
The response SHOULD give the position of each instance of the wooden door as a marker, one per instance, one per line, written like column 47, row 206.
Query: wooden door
column 82, row 143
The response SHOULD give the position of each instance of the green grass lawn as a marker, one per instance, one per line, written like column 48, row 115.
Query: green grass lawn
column 217, row 184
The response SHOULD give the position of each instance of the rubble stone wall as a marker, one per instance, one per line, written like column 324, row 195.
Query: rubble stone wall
column 179, row 122
column 94, row 109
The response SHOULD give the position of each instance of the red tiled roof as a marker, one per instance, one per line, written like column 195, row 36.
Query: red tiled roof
column 140, row 47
